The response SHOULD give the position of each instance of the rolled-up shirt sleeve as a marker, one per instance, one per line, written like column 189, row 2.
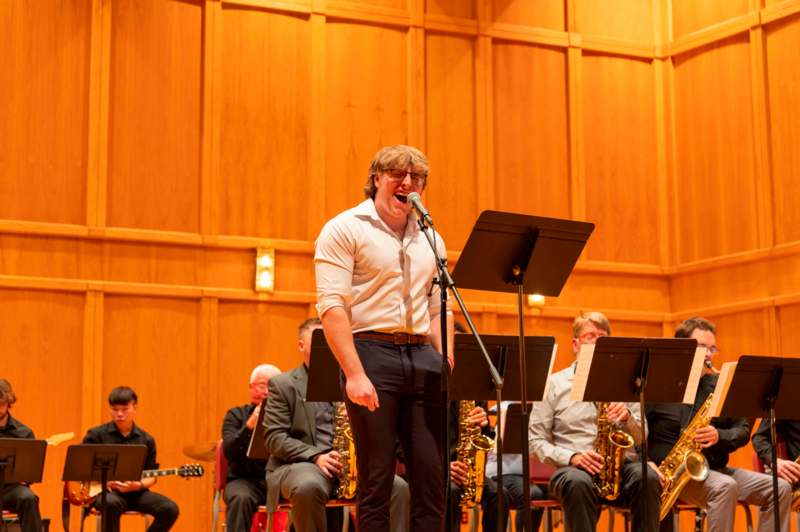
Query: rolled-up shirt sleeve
column 333, row 267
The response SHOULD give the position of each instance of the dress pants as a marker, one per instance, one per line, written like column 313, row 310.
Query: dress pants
column 574, row 489
column 719, row 493
column 163, row 509
column 308, row 489
column 19, row 499
column 242, row 499
column 408, row 383
column 514, row 498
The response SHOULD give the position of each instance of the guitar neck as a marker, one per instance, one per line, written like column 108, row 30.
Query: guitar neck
column 149, row 473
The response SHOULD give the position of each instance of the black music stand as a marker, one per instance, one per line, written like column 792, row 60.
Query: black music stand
column 522, row 254
column 21, row 461
column 765, row 386
column 621, row 369
column 472, row 380
column 104, row 462
column 257, row 448
column 323, row 371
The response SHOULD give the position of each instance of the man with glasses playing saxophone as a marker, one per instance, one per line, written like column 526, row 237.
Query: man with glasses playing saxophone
column 724, row 485
column 563, row 433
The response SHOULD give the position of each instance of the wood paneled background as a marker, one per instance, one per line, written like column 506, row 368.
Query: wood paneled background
column 147, row 147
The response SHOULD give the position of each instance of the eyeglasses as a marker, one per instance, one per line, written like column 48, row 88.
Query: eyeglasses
column 591, row 336
column 396, row 174
column 259, row 385
column 712, row 349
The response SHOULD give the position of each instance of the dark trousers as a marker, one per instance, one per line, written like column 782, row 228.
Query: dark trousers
column 163, row 509
column 574, row 489
column 22, row 501
column 242, row 498
column 514, row 498
column 408, row 382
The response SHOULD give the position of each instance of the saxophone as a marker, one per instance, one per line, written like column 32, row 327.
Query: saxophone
column 611, row 443
column 344, row 444
column 471, row 450
column 685, row 460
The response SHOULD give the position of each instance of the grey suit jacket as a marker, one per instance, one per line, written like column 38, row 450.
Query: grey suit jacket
column 290, row 428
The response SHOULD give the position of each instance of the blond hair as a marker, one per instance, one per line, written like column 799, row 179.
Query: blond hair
column 597, row 318
column 397, row 156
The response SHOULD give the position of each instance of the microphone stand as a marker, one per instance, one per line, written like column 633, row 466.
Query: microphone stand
column 445, row 282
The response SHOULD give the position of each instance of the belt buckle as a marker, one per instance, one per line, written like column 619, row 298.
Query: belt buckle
column 400, row 338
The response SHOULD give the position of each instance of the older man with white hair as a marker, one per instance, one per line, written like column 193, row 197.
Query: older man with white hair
column 245, row 488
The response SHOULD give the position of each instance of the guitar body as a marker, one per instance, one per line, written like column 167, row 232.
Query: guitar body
column 85, row 493
column 81, row 493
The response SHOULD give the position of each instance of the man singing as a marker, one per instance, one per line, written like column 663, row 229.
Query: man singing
column 381, row 315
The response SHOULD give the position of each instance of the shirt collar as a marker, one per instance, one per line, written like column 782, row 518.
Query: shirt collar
column 11, row 423
column 112, row 427
column 367, row 209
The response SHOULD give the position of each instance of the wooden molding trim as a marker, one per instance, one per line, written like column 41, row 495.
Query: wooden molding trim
column 299, row 7
column 780, row 11
column 711, row 34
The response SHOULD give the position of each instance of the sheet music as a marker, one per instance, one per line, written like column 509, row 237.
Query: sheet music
column 549, row 372
column 723, row 385
column 585, row 356
column 694, row 375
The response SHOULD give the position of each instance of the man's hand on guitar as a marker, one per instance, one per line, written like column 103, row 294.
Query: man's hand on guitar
column 126, row 486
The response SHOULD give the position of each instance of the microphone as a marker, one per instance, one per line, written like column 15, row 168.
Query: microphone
column 416, row 201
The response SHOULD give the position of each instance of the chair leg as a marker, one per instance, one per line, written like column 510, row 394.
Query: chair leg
column 346, row 519
column 611, row 515
column 215, row 512
column 748, row 518
column 474, row 517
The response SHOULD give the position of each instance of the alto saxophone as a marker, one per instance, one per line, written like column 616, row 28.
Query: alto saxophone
column 612, row 444
column 471, row 450
column 685, row 460
column 344, row 444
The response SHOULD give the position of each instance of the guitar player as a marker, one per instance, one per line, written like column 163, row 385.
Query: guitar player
column 17, row 497
column 131, row 495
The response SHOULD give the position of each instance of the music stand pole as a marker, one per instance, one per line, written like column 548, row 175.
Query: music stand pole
column 523, row 376
column 3, row 464
column 770, row 397
column 641, row 384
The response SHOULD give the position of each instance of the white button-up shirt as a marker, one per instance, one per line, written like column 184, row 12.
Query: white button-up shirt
column 384, row 283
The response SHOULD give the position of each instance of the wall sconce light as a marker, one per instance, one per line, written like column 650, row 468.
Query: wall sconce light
column 265, row 269
column 535, row 300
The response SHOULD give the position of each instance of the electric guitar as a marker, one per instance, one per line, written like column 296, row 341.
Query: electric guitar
column 84, row 493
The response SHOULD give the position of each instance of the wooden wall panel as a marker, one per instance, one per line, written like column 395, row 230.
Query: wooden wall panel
column 450, row 104
column 620, row 146
column 251, row 334
column 366, row 101
column 788, row 318
column 42, row 351
column 715, row 178
column 133, row 262
column 631, row 20
column 451, row 8
column 783, row 73
column 264, row 138
column 531, row 162
column 689, row 15
column 154, row 130
column 44, row 256
column 151, row 344
column 43, row 132
column 549, row 14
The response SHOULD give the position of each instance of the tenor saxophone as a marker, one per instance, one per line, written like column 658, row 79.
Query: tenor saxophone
column 611, row 443
column 471, row 450
column 344, row 444
column 685, row 460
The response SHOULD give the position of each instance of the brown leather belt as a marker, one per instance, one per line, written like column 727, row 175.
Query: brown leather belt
column 398, row 338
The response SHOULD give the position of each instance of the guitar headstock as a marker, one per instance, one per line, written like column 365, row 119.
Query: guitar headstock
column 191, row 470
column 57, row 439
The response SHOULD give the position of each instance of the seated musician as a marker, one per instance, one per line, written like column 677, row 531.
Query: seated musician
column 514, row 493
column 563, row 433
column 789, row 432
column 303, row 468
column 17, row 498
column 134, row 495
column 245, row 487
column 725, row 485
